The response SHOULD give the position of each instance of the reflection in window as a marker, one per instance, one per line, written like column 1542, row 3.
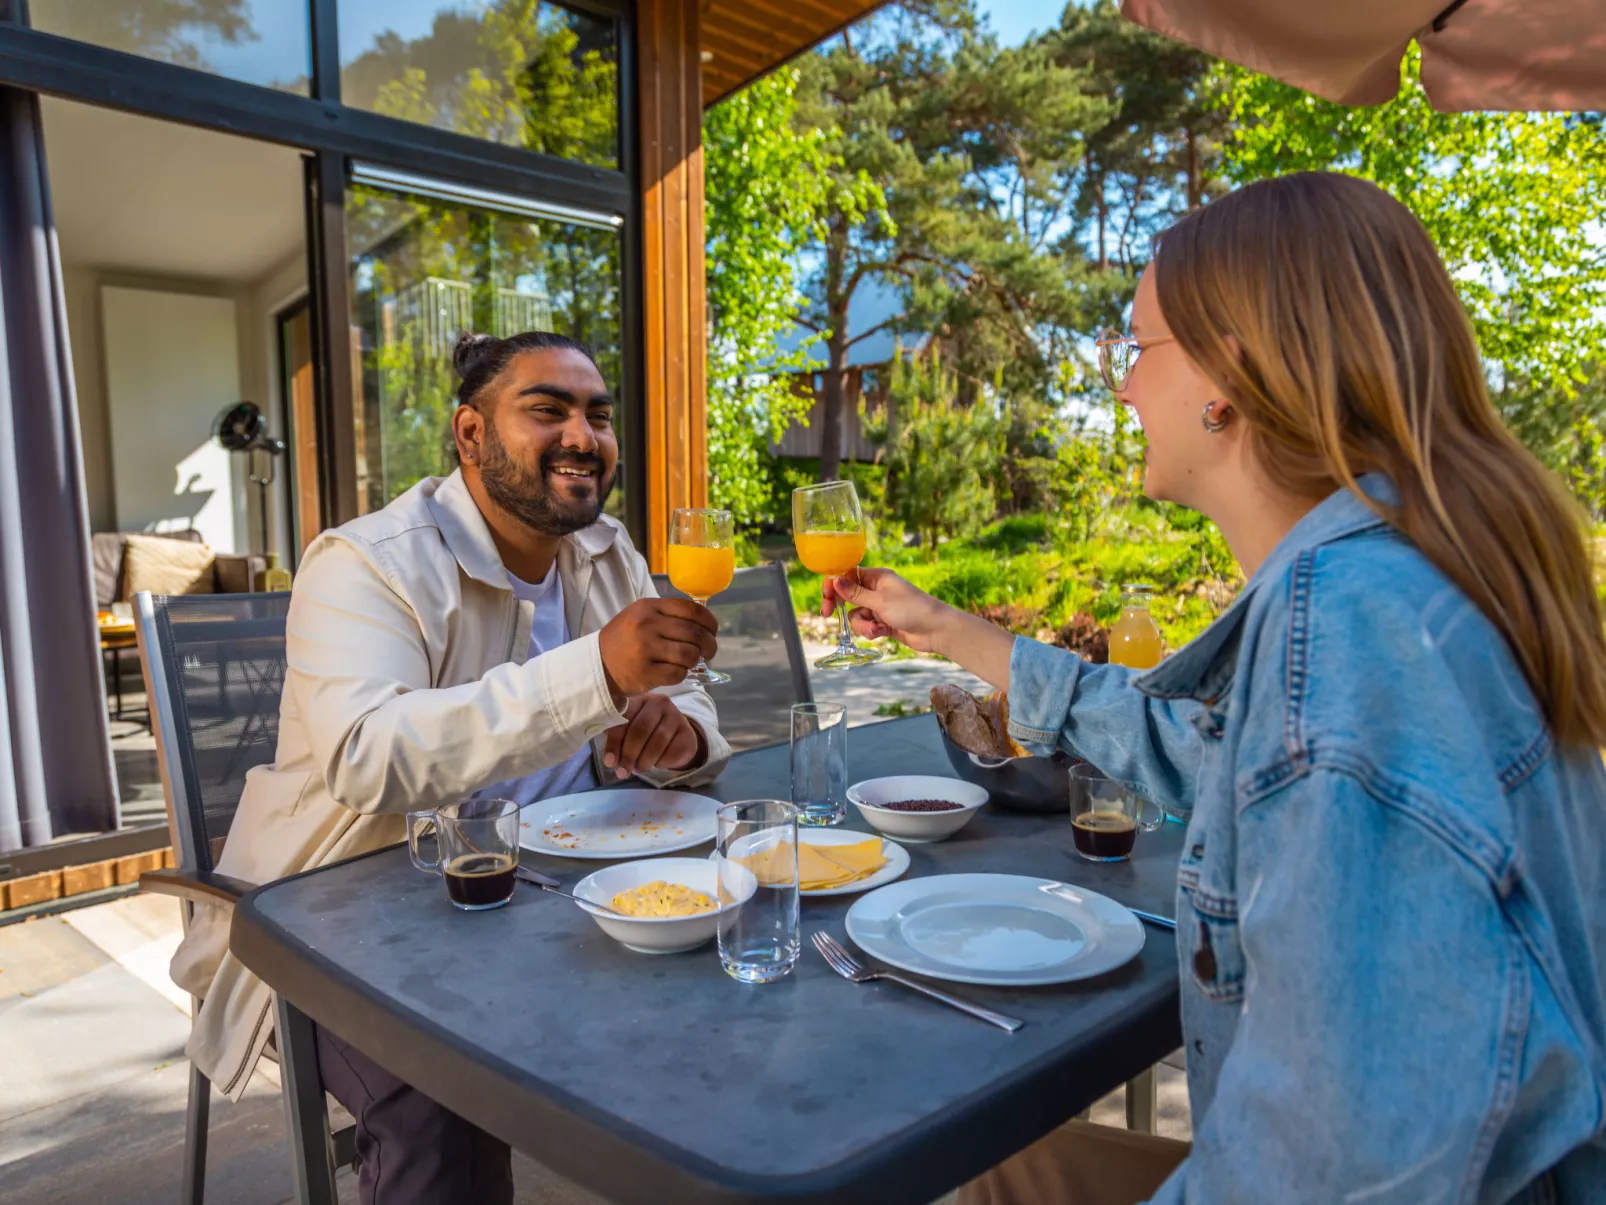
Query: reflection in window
column 526, row 73
column 424, row 270
column 263, row 42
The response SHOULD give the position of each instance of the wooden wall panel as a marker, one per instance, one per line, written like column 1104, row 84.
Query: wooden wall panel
column 673, row 306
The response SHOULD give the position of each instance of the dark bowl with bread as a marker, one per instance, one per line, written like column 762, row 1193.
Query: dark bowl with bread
column 975, row 735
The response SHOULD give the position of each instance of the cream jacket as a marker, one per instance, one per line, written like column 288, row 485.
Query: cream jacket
column 406, row 687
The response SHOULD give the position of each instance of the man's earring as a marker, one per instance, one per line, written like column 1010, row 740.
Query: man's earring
column 1215, row 423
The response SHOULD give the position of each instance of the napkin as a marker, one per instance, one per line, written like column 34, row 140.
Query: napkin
column 819, row 866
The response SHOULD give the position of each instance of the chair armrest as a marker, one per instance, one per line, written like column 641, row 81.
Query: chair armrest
column 194, row 885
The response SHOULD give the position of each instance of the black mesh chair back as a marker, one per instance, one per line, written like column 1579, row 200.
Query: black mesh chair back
column 214, row 671
column 759, row 647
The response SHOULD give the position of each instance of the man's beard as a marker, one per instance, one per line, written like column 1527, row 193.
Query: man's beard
column 525, row 495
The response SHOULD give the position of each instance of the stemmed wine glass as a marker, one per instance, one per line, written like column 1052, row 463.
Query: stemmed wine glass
column 828, row 528
column 702, row 562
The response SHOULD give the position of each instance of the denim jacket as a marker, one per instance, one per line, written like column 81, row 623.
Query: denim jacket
column 1391, row 904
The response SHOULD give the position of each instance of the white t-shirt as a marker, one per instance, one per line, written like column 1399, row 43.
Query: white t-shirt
column 548, row 630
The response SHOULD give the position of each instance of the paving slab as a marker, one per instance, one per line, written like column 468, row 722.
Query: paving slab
column 895, row 688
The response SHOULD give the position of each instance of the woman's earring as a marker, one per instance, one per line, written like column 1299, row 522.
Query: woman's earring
column 1215, row 423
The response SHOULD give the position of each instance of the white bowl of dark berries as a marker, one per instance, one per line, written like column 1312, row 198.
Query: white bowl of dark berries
column 917, row 807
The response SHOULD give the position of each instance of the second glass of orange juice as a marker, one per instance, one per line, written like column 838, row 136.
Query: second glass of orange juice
column 702, row 562
column 828, row 529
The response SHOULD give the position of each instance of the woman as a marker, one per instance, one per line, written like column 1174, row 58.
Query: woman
column 1391, row 904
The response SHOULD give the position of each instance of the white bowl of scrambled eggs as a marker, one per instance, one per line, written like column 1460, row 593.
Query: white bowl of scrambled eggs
column 673, row 902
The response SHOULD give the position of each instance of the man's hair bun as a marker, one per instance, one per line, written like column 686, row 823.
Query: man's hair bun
column 480, row 359
column 470, row 351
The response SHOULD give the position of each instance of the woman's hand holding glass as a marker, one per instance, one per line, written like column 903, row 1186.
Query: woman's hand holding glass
column 882, row 604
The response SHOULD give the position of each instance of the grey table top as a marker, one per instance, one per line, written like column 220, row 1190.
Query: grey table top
column 652, row 1079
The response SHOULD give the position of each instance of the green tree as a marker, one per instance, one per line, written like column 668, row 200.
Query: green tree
column 941, row 455
column 982, row 269
column 768, row 182
column 965, row 140
column 1023, row 187
column 1156, row 154
column 1514, row 202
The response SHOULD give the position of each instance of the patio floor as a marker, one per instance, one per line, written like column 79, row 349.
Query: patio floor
column 92, row 1034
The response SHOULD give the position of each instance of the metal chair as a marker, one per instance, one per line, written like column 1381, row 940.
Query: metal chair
column 214, row 670
column 760, row 648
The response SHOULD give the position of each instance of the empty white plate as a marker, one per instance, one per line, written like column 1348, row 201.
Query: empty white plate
column 1003, row 930
column 618, row 824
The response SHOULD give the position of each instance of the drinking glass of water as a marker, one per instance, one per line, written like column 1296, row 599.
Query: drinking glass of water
column 820, row 763
column 758, row 939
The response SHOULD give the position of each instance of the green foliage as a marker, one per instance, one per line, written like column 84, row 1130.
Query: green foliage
column 1016, row 534
column 768, row 182
column 940, row 455
column 1154, row 155
column 1569, row 437
column 1513, row 201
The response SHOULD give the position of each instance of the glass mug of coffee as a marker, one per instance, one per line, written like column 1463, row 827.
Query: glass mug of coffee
column 477, row 850
column 1107, row 814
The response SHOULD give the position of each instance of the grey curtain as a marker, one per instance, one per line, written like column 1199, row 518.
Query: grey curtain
column 56, row 774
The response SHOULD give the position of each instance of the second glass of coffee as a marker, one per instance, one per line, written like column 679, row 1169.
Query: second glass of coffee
column 477, row 850
column 1107, row 815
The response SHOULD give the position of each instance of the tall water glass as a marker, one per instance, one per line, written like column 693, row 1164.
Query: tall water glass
column 758, row 939
column 820, row 762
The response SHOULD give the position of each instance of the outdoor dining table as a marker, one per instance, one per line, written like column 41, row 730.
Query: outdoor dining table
column 656, row 1079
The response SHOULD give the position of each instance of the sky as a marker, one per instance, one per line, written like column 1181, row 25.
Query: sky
column 1015, row 20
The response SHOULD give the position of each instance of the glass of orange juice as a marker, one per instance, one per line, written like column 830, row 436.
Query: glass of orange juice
column 1135, row 639
column 828, row 528
column 702, row 561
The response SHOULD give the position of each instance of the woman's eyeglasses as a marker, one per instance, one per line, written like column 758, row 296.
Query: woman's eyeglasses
column 1118, row 354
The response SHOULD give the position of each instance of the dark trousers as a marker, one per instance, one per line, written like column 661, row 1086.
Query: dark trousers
column 410, row 1150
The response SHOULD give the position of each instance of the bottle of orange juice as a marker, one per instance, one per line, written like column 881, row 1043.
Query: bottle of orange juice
column 1135, row 640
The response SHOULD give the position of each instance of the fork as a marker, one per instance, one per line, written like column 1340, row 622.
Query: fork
column 851, row 969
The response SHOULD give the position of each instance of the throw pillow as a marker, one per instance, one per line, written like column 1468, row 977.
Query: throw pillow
column 165, row 566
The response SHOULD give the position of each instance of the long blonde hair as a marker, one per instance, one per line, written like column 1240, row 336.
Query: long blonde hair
column 1353, row 355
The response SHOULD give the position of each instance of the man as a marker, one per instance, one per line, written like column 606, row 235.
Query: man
column 490, row 631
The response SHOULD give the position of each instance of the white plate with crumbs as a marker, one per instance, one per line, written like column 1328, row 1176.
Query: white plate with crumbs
column 1003, row 930
column 618, row 824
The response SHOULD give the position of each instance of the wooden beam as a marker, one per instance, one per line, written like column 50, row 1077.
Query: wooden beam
column 673, row 308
